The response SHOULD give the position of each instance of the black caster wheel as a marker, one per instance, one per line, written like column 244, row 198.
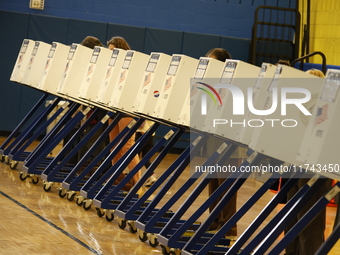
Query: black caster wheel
column 87, row 206
column 13, row 164
column 99, row 212
column 132, row 229
column 47, row 187
column 153, row 242
column 71, row 196
column 122, row 224
column 2, row 158
column 143, row 237
column 165, row 250
column 22, row 176
column 35, row 179
column 62, row 193
column 79, row 201
column 109, row 216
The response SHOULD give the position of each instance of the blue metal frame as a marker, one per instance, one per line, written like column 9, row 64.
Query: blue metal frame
column 14, row 136
column 15, row 150
column 56, row 171
column 75, row 180
column 304, row 221
column 65, row 119
column 127, row 212
column 330, row 242
column 144, row 222
column 53, row 138
column 95, row 182
column 235, row 181
column 263, row 240
column 173, row 238
column 103, row 198
column 241, row 240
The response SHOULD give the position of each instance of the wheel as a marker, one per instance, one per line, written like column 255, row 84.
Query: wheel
column 132, row 229
column 7, row 160
column 13, row 165
column 2, row 158
column 35, row 179
column 87, row 204
column 47, row 187
column 165, row 250
column 143, row 237
column 79, row 201
column 71, row 196
column 122, row 224
column 62, row 193
column 109, row 216
column 22, row 176
column 153, row 242
column 99, row 212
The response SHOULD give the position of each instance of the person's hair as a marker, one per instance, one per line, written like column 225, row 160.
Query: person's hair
column 316, row 72
column 91, row 42
column 119, row 42
column 219, row 54
column 283, row 62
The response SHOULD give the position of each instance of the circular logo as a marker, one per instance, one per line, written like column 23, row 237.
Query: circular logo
column 156, row 93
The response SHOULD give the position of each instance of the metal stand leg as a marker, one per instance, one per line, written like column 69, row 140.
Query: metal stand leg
column 280, row 221
column 24, row 121
column 305, row 220
column 129, row 213
column 165, row 236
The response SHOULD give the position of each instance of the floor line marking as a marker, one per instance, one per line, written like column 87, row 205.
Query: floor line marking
column 50, row 223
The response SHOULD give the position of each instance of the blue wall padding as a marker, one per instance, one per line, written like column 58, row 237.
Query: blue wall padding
column 238, row 48
column 166, row 41
column 14, row 27
column 79, row 29
column 197, row 45
column 47, row 29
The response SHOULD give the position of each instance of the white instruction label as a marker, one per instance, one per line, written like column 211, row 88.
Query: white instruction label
column 169, row 134
column 222, row 148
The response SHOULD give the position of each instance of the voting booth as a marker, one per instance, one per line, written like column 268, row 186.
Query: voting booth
column 258, row 95
column 130, row 76
column 77, row 61
column 36, row 65
column 319, row 148
column 175, row 87
column 23, row 60
column 95, row 73
column 54, row 67
column 111, row 76
column 149, row 89
column 237, row 76
column 281, row 132
column 208, row 70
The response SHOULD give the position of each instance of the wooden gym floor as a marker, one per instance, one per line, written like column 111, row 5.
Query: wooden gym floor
column 33, row 221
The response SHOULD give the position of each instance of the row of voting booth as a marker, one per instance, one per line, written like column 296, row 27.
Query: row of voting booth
column 275, row 112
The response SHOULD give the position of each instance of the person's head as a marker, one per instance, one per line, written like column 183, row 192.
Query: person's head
column 118, row 42
column 316, row 72
column 219, row 54
column 283, row 62
column 91, row 42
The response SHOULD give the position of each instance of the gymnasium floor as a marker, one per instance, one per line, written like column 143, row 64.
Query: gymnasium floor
column 37, row 222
